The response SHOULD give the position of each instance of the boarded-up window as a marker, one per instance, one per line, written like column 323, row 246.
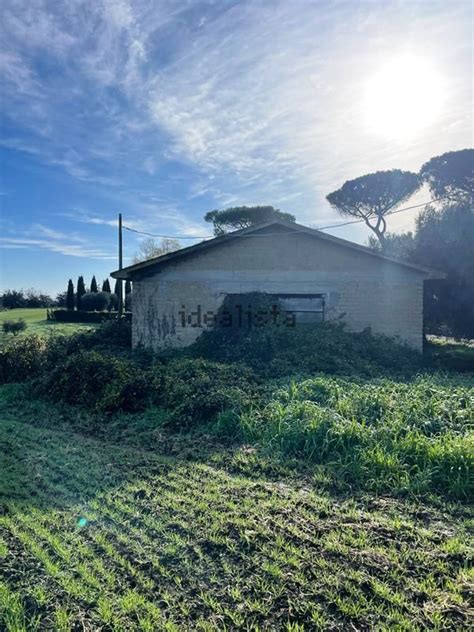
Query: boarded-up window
column 307, row 308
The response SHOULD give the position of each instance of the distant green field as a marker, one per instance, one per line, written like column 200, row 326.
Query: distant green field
column 35, row 319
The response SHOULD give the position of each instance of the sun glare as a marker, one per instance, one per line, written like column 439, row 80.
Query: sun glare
column 403, row 97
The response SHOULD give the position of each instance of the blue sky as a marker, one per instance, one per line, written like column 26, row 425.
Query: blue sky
column 164, row 110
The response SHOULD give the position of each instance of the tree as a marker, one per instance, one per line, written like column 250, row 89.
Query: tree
column 106, row 286
column 94, row 288
column 34, row 298
column 11, row 299
column 444, row 241
column 95, row 301
column 451, row 175
column 117, row 287
column 238, row 217
column 372, row 196
column 70, row 295
column 397, row 245
column 61, row 299
column 113, row 305
column 151, row 248
column 128, row 287
column 81, row 290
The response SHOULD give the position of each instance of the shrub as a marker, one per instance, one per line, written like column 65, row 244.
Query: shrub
column 95, row 301
column 21, row 359
column 278, row 351
column 14, row 326
column 79, row 316
column 97, row 381
column 196, row 390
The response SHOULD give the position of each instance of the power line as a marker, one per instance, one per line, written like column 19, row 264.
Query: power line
column 141, row 232
column 355, row 221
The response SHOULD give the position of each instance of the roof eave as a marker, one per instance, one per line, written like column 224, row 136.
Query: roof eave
column 128, row 272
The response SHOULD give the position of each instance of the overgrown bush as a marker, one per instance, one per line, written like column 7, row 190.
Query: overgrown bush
column 196, row 390
column 276, row 351
column 97, row 381
column 13, row 326
column 22, row 359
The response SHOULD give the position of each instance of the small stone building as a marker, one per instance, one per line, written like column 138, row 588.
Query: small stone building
column 313, row 275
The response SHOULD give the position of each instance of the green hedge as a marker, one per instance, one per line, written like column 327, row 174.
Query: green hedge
column 80, row 316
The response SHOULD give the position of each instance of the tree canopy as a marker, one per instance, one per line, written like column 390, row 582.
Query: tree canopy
column 106, row 286
column 81, row 290
column 238, row 217
column 70, row 295
column 442, row 240
column 451, row 175
column 151, row 248
column 372, row 196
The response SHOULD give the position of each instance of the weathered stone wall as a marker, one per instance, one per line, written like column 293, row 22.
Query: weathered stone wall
column 366, row 291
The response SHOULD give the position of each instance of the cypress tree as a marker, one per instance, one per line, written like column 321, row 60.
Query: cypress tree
column 70, row 295
column 81, row 290
column 94, row 289
column 128, row 287
column 117, row 287
column 106, row 286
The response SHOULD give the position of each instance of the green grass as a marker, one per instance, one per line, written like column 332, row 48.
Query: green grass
column 189, row 535
column 413, row 436
column 35, row 319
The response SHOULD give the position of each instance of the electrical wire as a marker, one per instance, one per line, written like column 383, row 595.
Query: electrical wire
column 355, row 221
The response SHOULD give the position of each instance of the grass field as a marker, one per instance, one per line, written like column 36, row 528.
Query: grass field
column 192, row 536
column 36, row 322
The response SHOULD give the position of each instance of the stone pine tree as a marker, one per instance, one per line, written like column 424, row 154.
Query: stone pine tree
column 451, row 175
column 81, row 290
column 373, row 196
column 94, row 288
column 106, row 286
column 70, row 295
column 238, row 217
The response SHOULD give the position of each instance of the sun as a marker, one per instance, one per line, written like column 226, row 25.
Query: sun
column 403, row 98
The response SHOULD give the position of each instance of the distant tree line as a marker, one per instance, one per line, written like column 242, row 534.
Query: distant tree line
column 12, row 299
column 79, row 297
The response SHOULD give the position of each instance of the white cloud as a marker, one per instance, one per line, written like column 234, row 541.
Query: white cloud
column 72, row 250
column 38, row 236
column 261, row 101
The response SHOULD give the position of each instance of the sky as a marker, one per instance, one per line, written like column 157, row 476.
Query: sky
column 165, row 109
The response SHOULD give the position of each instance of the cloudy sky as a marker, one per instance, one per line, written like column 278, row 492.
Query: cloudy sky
column 165, row 109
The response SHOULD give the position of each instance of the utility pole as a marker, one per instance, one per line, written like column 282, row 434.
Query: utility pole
column 120, row 284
